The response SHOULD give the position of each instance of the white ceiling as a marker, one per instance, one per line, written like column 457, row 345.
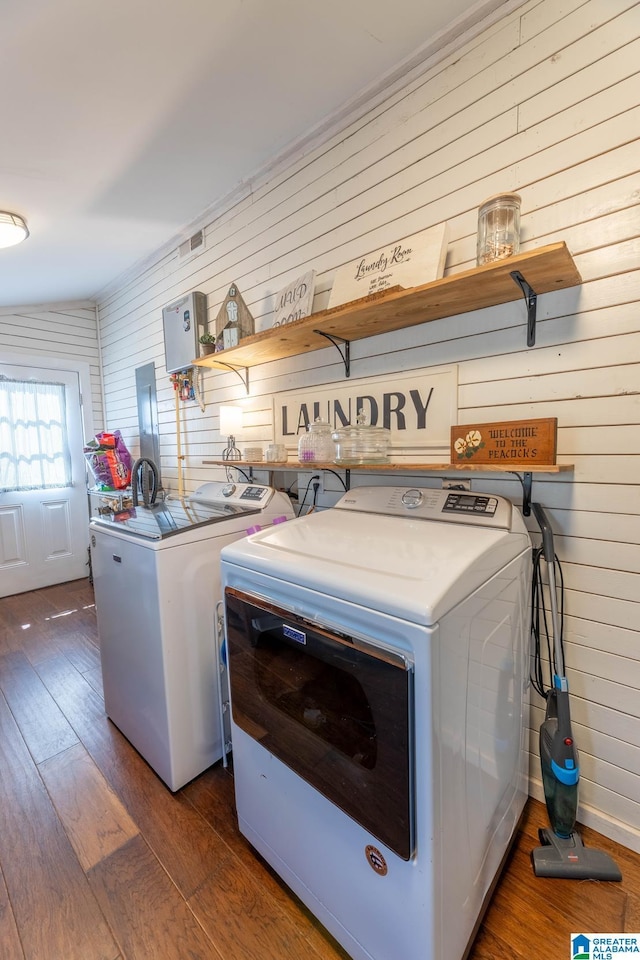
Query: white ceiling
column 123, row 121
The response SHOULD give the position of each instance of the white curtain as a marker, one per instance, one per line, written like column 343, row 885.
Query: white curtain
column 34, row 447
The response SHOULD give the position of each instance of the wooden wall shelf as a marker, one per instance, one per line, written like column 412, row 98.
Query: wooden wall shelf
column 524, row 471
column 543, row 270
column 300, row 465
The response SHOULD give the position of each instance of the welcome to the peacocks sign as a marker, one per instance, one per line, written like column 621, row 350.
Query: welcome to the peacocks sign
column 506, row 443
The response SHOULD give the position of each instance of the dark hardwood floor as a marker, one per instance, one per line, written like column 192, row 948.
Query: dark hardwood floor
column 99, row 861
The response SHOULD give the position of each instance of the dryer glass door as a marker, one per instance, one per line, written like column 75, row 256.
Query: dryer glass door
column 337, row 709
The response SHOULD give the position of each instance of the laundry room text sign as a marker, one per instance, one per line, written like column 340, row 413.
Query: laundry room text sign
column 418, row 407
column 407, row 263
column 507, row 442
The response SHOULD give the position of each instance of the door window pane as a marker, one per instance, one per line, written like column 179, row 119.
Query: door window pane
column 34, row 445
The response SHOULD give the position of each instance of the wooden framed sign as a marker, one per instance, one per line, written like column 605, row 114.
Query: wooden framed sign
column 417, row 407
column 407, row 263
column 507, row 442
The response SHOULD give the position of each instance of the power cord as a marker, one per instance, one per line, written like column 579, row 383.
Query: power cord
column 540, row 624
column 316, row 479
column 229, row 472
column 341, row 479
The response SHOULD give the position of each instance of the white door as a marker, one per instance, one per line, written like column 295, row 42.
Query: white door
column 44, row 516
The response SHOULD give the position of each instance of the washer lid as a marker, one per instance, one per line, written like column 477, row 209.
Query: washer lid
column 170, row 517
column 414, row 569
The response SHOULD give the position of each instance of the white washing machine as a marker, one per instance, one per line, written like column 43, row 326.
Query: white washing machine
column 156, row 573
column 378, row 661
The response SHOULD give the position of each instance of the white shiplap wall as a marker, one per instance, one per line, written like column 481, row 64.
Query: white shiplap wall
column 546, row 102
column 64, row 332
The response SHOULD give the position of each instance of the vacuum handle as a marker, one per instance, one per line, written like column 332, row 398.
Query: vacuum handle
column 564, row 716
column 548, row 550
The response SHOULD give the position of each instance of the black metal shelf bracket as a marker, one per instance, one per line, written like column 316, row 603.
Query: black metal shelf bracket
column 236, row 370
column 526, row 479
column 531, row 300
column 346, row 355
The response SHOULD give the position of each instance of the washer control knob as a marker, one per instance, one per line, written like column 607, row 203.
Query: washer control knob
column 412, row 498
column 228, row 490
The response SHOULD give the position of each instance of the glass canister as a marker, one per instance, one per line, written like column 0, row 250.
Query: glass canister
column 316, row 444
column 362, row 443
column 276, row 453
column 498, row 228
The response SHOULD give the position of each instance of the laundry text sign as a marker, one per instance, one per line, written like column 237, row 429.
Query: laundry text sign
column 418, row 408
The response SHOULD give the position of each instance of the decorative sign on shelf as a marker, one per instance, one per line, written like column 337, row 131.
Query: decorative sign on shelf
column 417, row 406
column 234, row 321
column 296, row 300
column 408, row 263
column 506, row 442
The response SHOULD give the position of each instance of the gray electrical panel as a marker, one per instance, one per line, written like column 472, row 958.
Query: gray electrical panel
column 184, row 321
column 148, row 413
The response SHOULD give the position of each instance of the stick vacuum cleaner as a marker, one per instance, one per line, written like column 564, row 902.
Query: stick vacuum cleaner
column 562, row 853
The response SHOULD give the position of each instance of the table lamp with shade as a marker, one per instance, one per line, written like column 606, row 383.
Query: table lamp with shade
column 230, row 424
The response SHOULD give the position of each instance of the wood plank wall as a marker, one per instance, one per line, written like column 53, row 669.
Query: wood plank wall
column 65, row 331
column 544, row 101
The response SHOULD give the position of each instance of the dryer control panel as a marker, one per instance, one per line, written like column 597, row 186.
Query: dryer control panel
column 471, row 503
column 420, row 503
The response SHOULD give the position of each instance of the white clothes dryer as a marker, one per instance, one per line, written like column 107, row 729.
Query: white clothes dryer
column 156, row 574
column 378, row 662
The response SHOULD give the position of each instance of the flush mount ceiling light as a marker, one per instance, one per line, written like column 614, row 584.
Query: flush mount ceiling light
column 13, row 229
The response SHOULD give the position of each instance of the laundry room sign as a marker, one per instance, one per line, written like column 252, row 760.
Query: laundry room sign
column 418, row 407
column 414, row 260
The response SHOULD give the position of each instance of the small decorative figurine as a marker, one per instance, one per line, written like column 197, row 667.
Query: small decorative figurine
column 234, row 321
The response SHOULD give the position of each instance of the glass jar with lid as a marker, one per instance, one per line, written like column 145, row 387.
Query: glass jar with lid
column 362, row 443
column 498, row 228
column 316, row 444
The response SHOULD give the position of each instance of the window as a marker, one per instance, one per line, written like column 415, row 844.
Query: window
column 34, row 445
